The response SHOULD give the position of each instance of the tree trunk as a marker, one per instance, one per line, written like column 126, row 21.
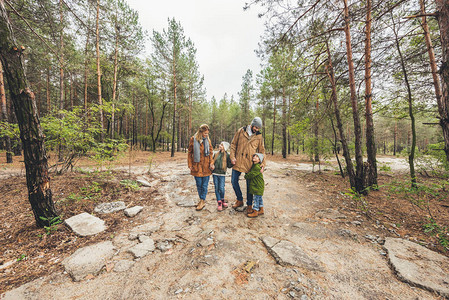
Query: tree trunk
column 48, row 91
column 86, row 64
column 441, row 92
column 344, row 144
column 174, row 106
column 100, row 100
column 114, row 84
column 359, row 178
column 274, row 125
column 370, row 139
column 4, row 115
column 35, row 158
column 411, row 156
column 61, row 57
column 284, row 124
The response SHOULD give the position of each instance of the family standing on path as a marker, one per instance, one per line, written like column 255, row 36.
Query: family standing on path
column 247, row 153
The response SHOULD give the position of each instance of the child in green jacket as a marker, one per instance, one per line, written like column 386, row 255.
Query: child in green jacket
column 256, row 185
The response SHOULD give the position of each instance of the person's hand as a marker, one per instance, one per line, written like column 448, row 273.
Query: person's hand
column 262, row 169
column 233, row 161
column 212, row 167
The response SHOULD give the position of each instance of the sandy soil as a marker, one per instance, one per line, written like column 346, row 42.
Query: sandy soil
column 353, row 266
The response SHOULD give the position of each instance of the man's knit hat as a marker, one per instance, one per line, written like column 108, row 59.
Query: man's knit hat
column 260, row 156
column 226, row 146
column 257, row 122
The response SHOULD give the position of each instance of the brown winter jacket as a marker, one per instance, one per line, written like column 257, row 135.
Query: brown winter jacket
column 243, row 147
column 202, row 168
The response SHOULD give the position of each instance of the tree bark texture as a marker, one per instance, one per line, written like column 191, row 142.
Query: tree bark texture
column 61, row 57
column 344, row 143
column 174, row 104
column 100, row 100
column 4, row 115
column 284, row 124
column 359, row 178
column 35, row 158
column 274, row 125
column 443, row 108
column 411, row 156
column 370, row 139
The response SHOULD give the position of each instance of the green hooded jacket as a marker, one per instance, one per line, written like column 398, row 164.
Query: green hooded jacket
column 256, row 182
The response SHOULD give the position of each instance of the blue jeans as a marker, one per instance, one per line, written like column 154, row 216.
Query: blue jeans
column 236, row 186
column 258, row 202
column 201, row 186
column 219, row 183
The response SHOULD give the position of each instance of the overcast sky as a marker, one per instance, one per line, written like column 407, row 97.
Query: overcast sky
column 224, row 35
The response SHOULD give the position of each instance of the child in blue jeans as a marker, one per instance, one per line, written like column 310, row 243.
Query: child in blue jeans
column 256, row 185
column 220, row 163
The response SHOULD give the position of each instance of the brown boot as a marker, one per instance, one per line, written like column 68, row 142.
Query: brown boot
column 254, row 214
column 249, row 209
column 261, row 211
column 237, row 203
column 200, row 205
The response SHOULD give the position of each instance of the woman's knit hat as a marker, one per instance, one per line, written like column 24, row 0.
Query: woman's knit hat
column 226, row 146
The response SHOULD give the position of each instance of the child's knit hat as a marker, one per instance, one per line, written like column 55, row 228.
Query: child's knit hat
column 226, row 146
column 260, row 156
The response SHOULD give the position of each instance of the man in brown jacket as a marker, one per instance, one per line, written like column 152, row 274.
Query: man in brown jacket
column 246, row 142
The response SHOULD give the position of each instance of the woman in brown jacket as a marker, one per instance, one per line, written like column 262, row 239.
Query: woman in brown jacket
column 199, row 159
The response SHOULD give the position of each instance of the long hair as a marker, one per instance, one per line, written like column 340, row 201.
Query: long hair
column 199, row 134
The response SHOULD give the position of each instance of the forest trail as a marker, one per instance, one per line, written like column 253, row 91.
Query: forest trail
column 212, row 249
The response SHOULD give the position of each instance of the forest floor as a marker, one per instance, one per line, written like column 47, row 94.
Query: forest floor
column 300, row 207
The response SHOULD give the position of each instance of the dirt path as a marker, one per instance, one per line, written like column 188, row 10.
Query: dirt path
column 211, row 249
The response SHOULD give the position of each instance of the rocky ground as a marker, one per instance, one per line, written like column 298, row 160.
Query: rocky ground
column 302, row 248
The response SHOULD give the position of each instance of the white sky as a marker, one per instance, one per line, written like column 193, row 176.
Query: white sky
column 225, row 37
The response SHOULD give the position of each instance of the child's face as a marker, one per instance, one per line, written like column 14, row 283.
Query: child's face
column 256, row 159
column 221, row 147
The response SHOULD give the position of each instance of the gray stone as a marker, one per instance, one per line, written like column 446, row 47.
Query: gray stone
column 241, row 209
column 143, row 182
column 164, row 245
column 88, row 260
column 145, row 229
column 288, row 254
column 85, row 224
column 292, row 294
column 186, row 202
column 331, row 214
column 304, row 297
column 123, row 265
column 107, row 208
column 142, row 249
column 133, row 211
column 206, row 242
column 419, row 266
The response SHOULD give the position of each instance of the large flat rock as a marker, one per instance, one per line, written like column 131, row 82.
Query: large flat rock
column 88, row 260
column 418, row 265
column 85, row 224
column 288, row 254
column 144, row 229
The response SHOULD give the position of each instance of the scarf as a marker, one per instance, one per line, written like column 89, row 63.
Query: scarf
column 197, row 151
column 248, row 130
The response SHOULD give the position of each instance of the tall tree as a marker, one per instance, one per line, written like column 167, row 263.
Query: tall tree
column 359, row 178
column 97, row 45
column 443, row 105
column 246, row 94
column 370, row 139
column 35, row 158
column 4, row 115
column 169, row 46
